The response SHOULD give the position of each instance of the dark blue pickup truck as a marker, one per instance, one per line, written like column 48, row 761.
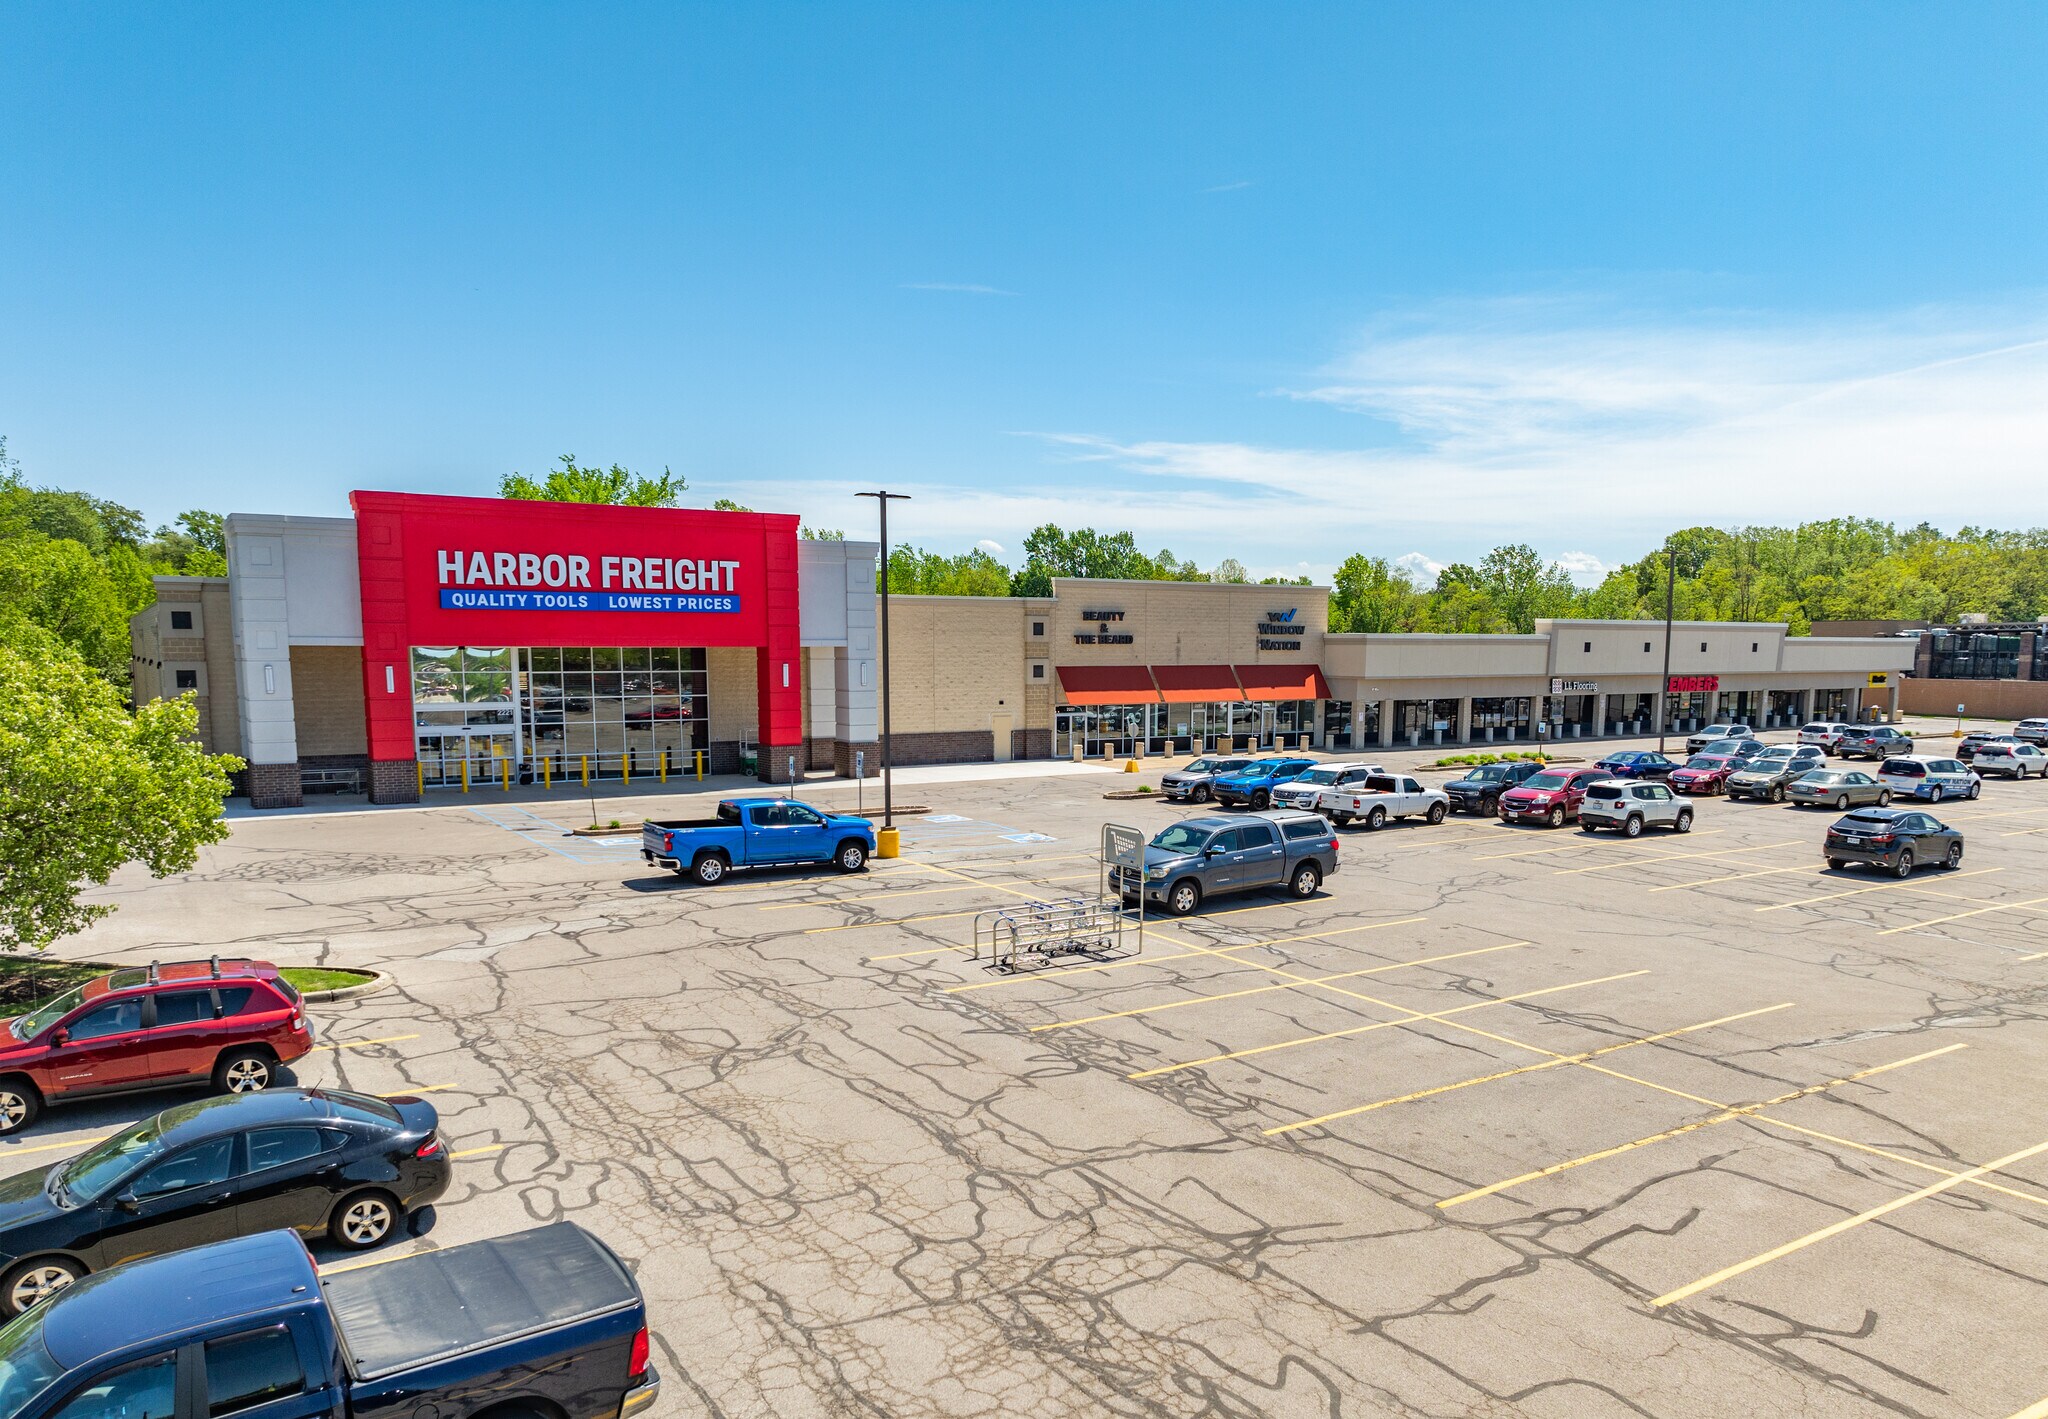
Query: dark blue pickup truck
column 546, row 1322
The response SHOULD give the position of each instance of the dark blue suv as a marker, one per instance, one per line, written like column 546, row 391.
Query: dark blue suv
column 1254, row 782
column 1637, row 763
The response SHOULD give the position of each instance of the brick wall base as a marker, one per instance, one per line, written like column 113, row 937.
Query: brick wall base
column 774, row 763
column 394, row 781
column 955, row 746
column 842, row 759
column 275, row 786
column 1031, row 743
column 818, row 753
column 722, row 756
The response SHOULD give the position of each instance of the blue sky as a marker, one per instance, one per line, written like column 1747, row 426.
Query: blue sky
column 1279, row 283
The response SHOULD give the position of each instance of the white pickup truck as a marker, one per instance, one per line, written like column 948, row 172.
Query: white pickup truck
column 1380, row 797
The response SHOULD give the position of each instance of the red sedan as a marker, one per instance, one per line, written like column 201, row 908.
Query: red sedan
column 1704, row 773
column 159, row 1027
column 1551, row 797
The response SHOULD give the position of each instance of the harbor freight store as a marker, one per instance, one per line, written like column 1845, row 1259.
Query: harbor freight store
column 432, row 644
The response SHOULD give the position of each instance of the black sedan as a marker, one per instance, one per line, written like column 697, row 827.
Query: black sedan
column 1894, row 839
column 312, row 1160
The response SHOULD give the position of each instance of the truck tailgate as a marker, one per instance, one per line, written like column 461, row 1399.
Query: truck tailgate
column 441, row 1304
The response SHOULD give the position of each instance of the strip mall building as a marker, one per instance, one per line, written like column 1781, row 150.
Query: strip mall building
column 431, row 643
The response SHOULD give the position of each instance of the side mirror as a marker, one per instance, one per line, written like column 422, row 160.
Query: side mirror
column 127, row 1201
column 62, row 1037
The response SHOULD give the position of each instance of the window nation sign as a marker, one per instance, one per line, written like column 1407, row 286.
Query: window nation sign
column 532, row 581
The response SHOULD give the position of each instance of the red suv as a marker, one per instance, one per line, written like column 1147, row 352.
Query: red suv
column 1551, row 797
column 234, row 1022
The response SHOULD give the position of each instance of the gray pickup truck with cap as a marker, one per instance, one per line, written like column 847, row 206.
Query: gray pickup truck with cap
column 1204, row 857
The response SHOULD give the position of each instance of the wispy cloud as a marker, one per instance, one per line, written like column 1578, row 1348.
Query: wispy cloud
column 1419, row 567
column 1227, row 187
column 990, row 546
column 959, row 288
column 1585, row 568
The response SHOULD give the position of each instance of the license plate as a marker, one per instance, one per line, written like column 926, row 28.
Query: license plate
column 1852, row 842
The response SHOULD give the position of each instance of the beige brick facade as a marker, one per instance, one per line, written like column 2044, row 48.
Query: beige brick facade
column 327, row 690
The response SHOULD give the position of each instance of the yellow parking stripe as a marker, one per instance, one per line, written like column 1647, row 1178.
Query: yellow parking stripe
column 1670, row 857
column 1581, row 845
column 1564, row 1059
column 1729, row 1273
column 362, row 1044
column 1725, row 1116
column 1880, row 887
column 474, row 1152
column 2037, row 1410
column 1407, row 1017
column 1958, row 916
column 1268, row 989
column 2022, row 832
column 1739, row 877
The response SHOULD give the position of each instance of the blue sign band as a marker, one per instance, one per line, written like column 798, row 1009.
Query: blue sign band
column 453, row 599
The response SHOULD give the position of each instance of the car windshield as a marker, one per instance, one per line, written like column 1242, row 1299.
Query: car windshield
column 1706, row 761
column 1546, row 781
column 1865, row 821
column 1264, row 766
column 1719, row 729
column 1318, row 776
column 1779, row 751
column 99, row 1167
column 1199, row 766
column 26, row 1367
column 1181, row 838
column 39, row 1020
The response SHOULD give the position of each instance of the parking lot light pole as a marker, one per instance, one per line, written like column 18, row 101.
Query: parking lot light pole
column 1664, row 695
column 882, row 501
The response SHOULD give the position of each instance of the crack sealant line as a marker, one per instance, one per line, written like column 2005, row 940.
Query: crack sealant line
column 1727, row 1115
column 1587, row 847
column 1880, row 887
column 1958, row 916
column 1672, row 857
column 1729, row 1273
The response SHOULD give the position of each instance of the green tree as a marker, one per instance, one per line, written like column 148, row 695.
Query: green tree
column 1369, row 595
column 60, row 588
column 1230, row 570
column 1522, row 588
column 974, row 573
column 571, row 483
column 820, row 534
column 86, row 786
column 728, row 505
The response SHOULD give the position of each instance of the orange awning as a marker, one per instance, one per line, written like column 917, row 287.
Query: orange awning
column 1107, row 685
column 1196, row 684
column 1282, row 682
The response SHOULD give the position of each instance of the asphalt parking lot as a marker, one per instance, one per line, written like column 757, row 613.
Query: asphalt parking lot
column 1506, row 1121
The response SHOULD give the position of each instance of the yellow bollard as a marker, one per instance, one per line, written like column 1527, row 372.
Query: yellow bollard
column 663, row 766
column 547, row 778
column 465, row 773
column 700, row 766
column 586, row 770
column 420, row 772
column 888, row 842
column 626, row 769
column 1130, row 766
column 506, row 762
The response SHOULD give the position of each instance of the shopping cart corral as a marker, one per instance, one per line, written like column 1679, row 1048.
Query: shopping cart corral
column 1030, row 935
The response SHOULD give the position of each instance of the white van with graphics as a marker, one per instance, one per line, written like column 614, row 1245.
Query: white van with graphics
column 1924, row 776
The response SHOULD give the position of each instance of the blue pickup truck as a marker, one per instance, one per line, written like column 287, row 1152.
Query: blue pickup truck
column 1254, row 783
column 544, row 1322
column 757, row 832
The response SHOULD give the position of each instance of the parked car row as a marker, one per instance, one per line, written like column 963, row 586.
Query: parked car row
column 162, row 1272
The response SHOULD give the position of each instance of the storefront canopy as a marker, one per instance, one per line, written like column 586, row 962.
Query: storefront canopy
column 1196, row 684
column 1282, row 682
column 1107, row 685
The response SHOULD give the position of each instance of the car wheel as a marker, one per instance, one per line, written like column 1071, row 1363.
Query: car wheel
column 1202, row 794
column 851, row 857
column 1488, row 807
column 1184, row 898
column 1342, row 820
column 1954, row 858
column 1261, row 801
column 1376, row 819
column 19, row 1105
column 1684, row 823
column 1306, row 880
column 1836, row 864
column 36, row 1280
column 1435, row 813
column 1841, row 802
column 1904, row 866
column 1934, row 794
column 1777, row 793
column 1555, row 818
column 1884, row 796
column 1975, row 789
column 1586, row 827
column 363, row 1219
column 710, row 869
column 243, row 1071
column 1632, row 827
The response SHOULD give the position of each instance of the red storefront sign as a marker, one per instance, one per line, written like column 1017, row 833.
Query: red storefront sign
column 1693, row 684
column 486, row 571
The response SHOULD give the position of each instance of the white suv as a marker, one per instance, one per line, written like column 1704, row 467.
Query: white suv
column 1698, row 742
column 2031, row 731
column 1631, row 805
column 1924, row 776
column 1306, row 792
column 1825, row 732
column 2012, row 760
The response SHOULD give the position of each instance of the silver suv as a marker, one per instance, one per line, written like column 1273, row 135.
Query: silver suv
column 1631, row 805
